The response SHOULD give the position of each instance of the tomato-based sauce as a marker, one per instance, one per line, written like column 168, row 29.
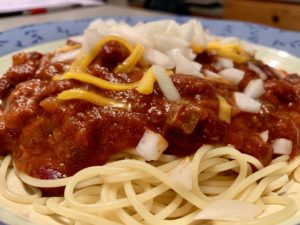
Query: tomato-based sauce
column 51, row 138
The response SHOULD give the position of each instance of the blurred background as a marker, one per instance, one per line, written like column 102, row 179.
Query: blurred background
column 277, row 13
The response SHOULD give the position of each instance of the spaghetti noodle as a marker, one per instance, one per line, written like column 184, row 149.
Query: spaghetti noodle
column 131, row 191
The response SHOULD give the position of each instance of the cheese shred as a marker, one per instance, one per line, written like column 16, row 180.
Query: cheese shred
column 232, row 51
column 224, row 109
column 101, row 83
column 145, row 85
column 95, row 51
column 92, row 98
column 128, row 64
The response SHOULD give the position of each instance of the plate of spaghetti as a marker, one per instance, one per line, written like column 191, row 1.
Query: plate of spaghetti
column 153, row 123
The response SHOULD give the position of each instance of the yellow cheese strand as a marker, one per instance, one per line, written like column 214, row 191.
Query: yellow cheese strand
column 224, row 109
column 131, row 60
column 95, row 51
column 232, row 51
column 76, row 63
column 92, row 98
column 145, row 85
column 101, row 83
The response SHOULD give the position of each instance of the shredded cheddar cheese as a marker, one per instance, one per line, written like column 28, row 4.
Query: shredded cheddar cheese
column 145, row 85
column 92, row 98
column 76, row 64
column 131, row 60
column 101, row 83
column 232, row 51
column 95, row 51
column 224, row 109
column 57, row 77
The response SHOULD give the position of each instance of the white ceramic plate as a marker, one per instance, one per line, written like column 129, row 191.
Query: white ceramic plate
column 275, row 58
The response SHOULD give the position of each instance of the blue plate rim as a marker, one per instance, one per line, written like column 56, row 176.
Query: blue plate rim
column 34, row 34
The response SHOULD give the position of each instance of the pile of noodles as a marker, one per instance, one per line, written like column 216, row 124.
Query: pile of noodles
column 128, row 190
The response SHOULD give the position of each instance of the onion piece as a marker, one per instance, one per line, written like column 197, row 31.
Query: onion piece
column 90, row 39
column 199, row 42
column 224, row 63
column 173, row 29
column 264, row 135
column 151, row 145
column 154, row 56
column 246, row 103
column 282, row 146
column 256, row 69
column 232, row 74
column 211, row 74
column 188, row 53
column 188, row 31
column 230, row 210
column 166, row 42
column 187, row 67
column 182, row 174
column 165, row 83
column 65, row 56
column 154, row 27
column 255, row 88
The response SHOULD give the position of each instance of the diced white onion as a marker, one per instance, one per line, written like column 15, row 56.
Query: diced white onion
column 187, row 67
column 173, row 29
column 154, row 56
column 65, row 56
column 211, row 74
column 132, row 35
column 182, row 174
column 188, row 53
column 165, row 42
column 246, row 103
column 265, row 136
column 282, row 146
column 224, row 63
column 199, row 38
column 255, row 88
column 90, row 39
column 256, row 69
column 188, row 31
column 151, row 145
column 230, row 210
column 165, row 83
column 232, row 74
column 154, row 27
